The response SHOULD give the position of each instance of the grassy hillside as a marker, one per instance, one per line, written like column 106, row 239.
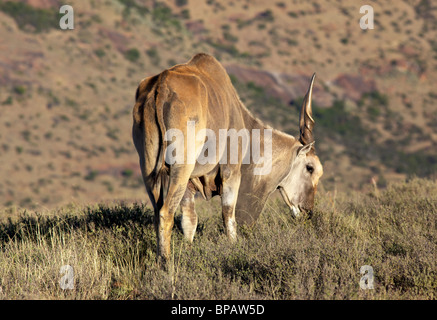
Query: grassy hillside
column 66, row 95
column 111, row 249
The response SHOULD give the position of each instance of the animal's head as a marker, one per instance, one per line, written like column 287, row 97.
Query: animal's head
column 300, row 185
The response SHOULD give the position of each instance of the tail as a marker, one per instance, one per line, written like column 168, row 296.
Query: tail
column 161, row 171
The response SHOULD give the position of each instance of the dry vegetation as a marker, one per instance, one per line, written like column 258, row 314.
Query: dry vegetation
column 112, row 251
column 65, row 119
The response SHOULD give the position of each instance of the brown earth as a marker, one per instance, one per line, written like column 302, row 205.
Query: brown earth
column 66, row 95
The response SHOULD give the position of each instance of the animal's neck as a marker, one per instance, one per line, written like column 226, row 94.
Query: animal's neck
column 283, row 145
column 281, row 139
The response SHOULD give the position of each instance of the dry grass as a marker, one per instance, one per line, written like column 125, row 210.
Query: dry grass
column 112, row 252
column 65, row 136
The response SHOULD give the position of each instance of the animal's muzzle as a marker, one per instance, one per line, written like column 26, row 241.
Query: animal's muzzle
column 297, row 210
column 309, row 212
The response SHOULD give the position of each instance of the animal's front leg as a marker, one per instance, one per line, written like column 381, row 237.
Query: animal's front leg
column 229, row 200
column 189, row 216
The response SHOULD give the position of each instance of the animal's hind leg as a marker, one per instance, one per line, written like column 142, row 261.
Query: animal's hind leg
column 189, row 216
column 179, row 176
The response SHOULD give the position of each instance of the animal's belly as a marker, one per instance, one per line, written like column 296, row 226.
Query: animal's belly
column 203, row 169
column 207, row 181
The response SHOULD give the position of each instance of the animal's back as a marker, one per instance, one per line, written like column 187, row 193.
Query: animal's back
column 198, row 90
column 213, row 77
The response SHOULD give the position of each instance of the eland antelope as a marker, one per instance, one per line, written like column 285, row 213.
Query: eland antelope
column 198, row 96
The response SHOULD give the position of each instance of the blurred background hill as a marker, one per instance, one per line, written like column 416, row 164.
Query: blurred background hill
column 66, row 95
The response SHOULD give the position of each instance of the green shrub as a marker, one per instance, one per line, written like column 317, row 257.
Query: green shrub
column 266, row 15
column 20, row 90
column 132, row 55
column 375, row 97
column 229, row 37
column 163, row 15
column 7, row 101
column 127, row 173
column 91, row 176
column 153, row 55
column 24, row 15
column 185, row 14
column 344, row 40
column 100, row 52
column 373, row 111
column 132, row 4
column 181, row 3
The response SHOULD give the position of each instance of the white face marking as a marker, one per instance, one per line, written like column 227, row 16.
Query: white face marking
column 296, row 186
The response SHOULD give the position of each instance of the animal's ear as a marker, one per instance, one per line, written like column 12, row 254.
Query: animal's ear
column 306, row 121
column 305, row 149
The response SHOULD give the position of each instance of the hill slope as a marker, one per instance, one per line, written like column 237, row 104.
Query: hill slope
column 66, row 95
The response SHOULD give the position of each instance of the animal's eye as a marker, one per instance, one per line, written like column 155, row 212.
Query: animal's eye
column 310, row 168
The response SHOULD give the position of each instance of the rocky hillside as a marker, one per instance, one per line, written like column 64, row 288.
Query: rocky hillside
column 66, row 95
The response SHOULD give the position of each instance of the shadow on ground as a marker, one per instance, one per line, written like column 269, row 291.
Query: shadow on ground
column 37, row 226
